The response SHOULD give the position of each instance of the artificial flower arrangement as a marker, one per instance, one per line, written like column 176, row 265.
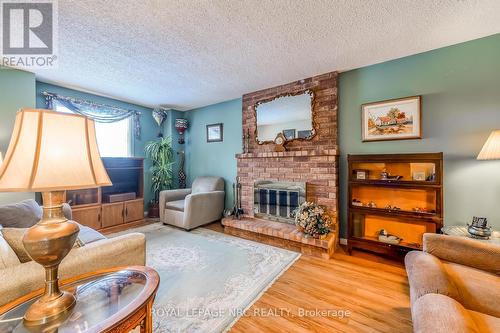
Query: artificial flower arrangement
column 313, row 220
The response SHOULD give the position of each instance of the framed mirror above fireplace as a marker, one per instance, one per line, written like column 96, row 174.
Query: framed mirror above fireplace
column 290, row 115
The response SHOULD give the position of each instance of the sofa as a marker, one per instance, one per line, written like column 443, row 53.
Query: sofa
column 93, row 251
column 190, row 208
column 454, row 285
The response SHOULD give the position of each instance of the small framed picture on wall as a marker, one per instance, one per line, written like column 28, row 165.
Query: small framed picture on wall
column 395, row 119
column 215, row 133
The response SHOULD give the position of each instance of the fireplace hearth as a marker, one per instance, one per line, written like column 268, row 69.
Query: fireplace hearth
column 277, row 200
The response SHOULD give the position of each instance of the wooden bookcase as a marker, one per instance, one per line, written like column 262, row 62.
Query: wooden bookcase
column 91, row 207
column 407, row 207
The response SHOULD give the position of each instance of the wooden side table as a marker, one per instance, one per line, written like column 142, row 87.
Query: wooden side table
column 111, row 300
column 458, row 230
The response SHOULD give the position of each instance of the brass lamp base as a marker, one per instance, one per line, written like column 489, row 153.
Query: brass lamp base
column 47, row 243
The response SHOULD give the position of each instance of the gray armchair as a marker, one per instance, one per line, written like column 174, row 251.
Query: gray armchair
column 192, row 207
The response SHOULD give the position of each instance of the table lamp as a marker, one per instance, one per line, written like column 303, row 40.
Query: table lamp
column 51, row 152
column 491, row 149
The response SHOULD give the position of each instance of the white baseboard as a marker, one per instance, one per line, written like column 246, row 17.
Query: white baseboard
column 343, row 241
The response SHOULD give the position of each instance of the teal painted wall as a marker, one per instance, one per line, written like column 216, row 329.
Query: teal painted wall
column 17, row 90
column 217, row 158
column 460, row 86
column 149, row 128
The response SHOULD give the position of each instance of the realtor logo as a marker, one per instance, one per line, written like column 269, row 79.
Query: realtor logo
column 28, row 33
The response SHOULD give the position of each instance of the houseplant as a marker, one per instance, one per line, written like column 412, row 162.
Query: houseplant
column 313, row 220
column 161, row 155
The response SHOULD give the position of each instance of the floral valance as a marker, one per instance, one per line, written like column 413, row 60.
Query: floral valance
column 98, row 112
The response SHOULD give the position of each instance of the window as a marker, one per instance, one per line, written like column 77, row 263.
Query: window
column 113, row 139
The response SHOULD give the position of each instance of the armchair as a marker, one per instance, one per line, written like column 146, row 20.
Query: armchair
column 191, row 208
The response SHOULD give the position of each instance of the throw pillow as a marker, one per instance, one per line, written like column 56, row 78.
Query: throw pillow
column 8, row 257
column 23, row 214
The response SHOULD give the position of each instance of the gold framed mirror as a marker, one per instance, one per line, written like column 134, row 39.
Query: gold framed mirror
column 291, row 114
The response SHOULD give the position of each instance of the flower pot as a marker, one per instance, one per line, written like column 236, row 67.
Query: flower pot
column 153, row 210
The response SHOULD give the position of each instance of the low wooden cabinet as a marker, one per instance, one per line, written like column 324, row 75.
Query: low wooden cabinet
column 89, row 216
column 92, row 207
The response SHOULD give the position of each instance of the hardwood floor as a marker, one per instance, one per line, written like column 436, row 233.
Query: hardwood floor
column 369, row 293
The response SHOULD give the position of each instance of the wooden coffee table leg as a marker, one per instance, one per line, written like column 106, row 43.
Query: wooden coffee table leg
column 147, row 324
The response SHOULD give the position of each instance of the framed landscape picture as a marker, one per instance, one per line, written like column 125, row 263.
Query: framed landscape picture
column 395, row 119
column 215, row 132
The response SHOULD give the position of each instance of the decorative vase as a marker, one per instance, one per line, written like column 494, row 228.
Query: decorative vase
column 153, row 210
column 159, row 115
column 181, row 125
column 182, row 174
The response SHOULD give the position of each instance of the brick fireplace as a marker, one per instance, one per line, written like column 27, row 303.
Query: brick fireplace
column 314, row 162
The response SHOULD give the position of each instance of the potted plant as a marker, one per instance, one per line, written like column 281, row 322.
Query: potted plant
column 161, row 155
column 313, row 220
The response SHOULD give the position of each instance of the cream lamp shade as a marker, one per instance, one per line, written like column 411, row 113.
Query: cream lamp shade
column 491, row 149
column 51, row 151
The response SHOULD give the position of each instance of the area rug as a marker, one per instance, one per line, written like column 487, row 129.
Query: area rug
column 208, row 279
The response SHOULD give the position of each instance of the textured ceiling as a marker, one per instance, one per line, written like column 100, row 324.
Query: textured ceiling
column 191, row 53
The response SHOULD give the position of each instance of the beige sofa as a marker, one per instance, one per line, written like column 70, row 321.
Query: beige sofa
column 190, row 208
column 19, row 275
column 454, row 285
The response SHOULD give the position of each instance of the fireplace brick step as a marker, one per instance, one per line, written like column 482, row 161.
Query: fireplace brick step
column 281, row 235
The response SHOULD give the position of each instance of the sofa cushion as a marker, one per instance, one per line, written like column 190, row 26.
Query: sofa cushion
column 207, row 184
column 479, row 290
column 23, row 214
column 434, row 313
column 88, row 235
column 426, row 275
column 485, row 323
column 177, row 205
column 8, row 257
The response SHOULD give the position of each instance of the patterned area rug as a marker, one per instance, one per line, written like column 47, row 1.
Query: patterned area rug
column 208, row 279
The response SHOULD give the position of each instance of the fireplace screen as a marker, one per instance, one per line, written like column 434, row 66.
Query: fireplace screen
column 276, row 201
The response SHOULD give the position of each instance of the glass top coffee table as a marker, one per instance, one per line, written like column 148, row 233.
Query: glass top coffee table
column 117, row 300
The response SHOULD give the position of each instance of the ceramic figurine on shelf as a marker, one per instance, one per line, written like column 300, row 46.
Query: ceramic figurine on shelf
column 384, row 174
column 356, row 202
column 385, row 237
column 372, row 204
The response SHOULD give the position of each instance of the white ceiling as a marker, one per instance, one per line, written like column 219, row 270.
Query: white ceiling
column 191, row 53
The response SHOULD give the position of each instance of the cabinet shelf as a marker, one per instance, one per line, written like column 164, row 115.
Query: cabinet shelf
column 395, row 183
column 433, row 217
column 402, row 244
